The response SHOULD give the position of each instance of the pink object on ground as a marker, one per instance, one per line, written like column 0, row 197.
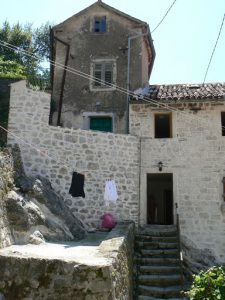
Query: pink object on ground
column 108, row 221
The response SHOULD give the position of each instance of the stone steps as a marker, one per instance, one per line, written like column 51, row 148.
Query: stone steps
column 157, row 261
column 167, row 253
column 160, row 292
column 153, row 298
column 157, row 264
column 156, row 245
column 160, row 239
column 159, row 269
column 160, row 280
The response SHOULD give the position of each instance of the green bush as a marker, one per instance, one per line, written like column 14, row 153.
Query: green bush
column 208, row 285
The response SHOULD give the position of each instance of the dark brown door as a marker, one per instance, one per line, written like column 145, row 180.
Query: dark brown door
column 160, row 198
column 168, row 207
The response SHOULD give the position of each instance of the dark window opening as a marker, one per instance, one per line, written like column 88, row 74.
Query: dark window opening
column 101, row 124
column 163, row 126
column 223, row 188
column 103, row 74
column 223, row 123
column 100, row 24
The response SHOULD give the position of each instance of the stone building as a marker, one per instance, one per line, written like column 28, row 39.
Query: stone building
column 102, row 48
column 171, row 162
column 181, row 129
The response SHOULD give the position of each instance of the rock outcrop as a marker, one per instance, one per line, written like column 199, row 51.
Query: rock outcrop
column 33, row 212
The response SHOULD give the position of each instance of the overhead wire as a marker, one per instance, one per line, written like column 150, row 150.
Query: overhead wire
column 214, row 49
column 163, row 18
column 90, row 77
column 123, row 90
column 62, row 66
column 87, row 76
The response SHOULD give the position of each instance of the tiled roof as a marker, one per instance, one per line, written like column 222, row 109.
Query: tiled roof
column 182, row 92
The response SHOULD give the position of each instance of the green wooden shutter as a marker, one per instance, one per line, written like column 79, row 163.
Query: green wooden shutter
column 101, row 124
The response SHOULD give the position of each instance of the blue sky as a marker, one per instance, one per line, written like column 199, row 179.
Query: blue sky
column 183, row 42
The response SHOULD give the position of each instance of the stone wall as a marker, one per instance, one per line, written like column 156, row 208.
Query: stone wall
column 23, row 277
column 6, row 182
column 120, row 243
column 56, row 152
column 195, row 155
column 86, row 46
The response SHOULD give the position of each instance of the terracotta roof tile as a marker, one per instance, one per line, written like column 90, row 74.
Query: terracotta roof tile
column 183, row 92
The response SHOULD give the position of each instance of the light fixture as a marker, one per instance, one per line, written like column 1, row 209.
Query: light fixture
column 160, row 166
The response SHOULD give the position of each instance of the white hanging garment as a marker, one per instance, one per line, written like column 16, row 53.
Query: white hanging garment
column 114, row 195
column 110, row 194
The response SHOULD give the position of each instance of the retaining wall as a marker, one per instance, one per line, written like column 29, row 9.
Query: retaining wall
column 56, row 152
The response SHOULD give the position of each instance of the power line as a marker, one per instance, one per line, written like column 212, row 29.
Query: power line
column 87, row 76
column 210, row 60
column 90, row 77
column 164, row 16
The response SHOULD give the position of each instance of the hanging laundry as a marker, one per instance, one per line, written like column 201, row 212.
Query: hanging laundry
column 110, row 194
column 77, row 185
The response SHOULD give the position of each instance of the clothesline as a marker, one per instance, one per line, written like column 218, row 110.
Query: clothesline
column 77, row 188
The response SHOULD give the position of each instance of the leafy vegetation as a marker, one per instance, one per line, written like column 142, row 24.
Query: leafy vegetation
column 11, row 69
column 208, row 285
column 23, row 51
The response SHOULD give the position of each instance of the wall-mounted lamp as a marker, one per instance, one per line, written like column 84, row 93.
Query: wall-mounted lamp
column 160, row 166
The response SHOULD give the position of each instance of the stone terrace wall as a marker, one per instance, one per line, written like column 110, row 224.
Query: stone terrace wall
column 97, row 155
column 25, row 277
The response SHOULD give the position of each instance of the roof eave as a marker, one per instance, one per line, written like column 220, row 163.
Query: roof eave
column 153, row 53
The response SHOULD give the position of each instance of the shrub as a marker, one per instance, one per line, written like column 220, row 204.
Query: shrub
column 208, row 285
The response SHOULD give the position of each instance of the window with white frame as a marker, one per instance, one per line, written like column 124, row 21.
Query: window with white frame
column 104, row 74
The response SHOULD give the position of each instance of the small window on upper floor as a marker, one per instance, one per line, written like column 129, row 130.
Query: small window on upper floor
column 100, row 24
column 223, row 123
column 163, row 126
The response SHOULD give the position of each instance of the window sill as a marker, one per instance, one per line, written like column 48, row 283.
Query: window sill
column 109, row 89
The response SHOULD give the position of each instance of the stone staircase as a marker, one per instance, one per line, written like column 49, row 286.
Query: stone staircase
column 157, row 259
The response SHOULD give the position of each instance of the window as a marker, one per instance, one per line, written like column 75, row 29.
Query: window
column 104, row 73
column 223, row 123
column 100, row 24
column 223, row 181
column 101, row 124
column 163, row 126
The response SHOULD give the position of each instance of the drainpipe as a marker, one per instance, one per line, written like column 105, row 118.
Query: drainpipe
column 128, row 73
column 52, row 56
column 63, row 79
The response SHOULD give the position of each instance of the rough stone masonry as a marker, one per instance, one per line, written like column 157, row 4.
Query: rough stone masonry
column 55, row 153
column 34, row 268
